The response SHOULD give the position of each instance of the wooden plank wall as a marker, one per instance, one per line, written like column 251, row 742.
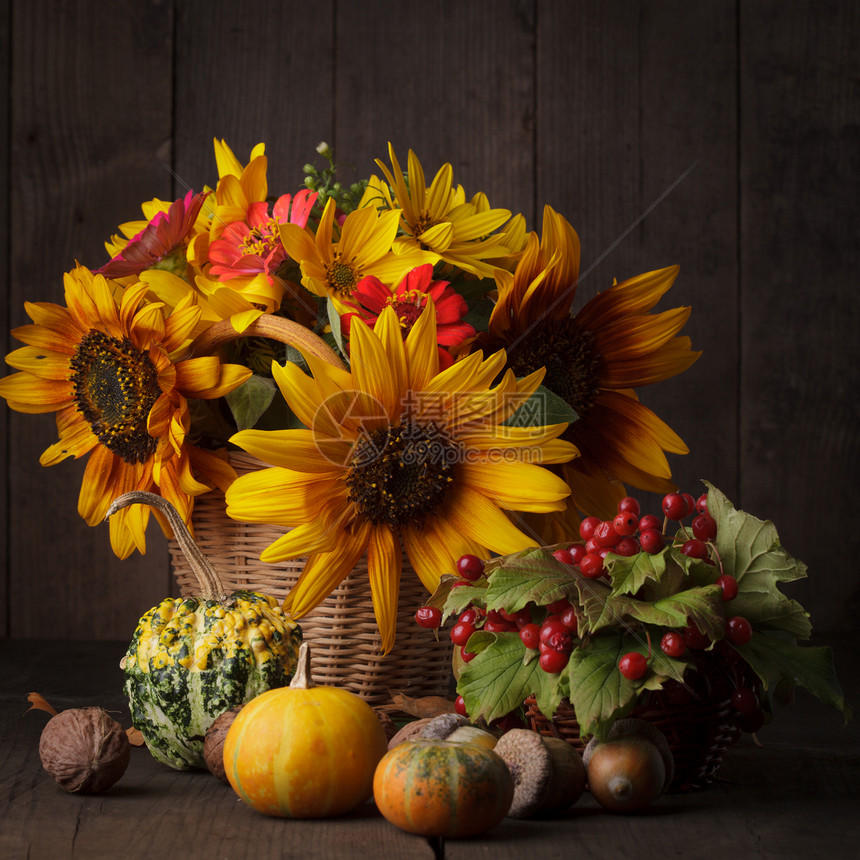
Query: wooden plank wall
column 719, row 135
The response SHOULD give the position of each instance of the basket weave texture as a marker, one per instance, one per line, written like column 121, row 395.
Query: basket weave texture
column 698, row 734
column 342, row 630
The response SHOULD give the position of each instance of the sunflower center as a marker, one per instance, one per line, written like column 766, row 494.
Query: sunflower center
column 400, row 474
column 567, row 353
column 342, row 277
column 116, row 386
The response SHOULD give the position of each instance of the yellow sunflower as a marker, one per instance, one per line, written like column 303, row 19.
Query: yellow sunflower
column 114, row 375
column 338, row 257
column 594, row 360
column 395, row 451
column 439, row 218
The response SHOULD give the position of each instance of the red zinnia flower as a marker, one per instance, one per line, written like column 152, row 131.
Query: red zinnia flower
column 253, row 247
column 408, row 300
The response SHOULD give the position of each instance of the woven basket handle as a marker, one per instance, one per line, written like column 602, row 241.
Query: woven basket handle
column 273, row 327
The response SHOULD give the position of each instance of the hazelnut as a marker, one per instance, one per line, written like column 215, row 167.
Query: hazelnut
column 213, row 743
column 84, row 749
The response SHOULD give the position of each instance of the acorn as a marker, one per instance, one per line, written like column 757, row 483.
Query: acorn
column 549, row 775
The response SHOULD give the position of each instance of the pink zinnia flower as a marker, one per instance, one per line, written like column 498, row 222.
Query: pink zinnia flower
column 161, row 237
column 409, row 299
column 253, row 247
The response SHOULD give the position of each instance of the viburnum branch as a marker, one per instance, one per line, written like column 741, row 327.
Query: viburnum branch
column 269, row 326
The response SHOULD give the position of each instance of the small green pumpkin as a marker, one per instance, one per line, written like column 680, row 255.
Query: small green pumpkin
column 193, row 658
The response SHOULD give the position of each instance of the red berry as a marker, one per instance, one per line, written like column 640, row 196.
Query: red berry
column 557, row 606
column 745, row 700
column 691, row 503
column 461, row 632
column 498, row 625
column 604, row 534
column 695, row 639
column 633, row 666
column 626, row 523
column 428, row 616
column 729, row 586
column 591, row 545
column 467, row 656
column 672, row 644
column 569, row 619
column 702, row 504
column 695, row 548
column 628, row 503
column 553, row 661
column 563, row 555
column 555, row 634
column 627, row 546
column 468, row 616
column 470, row 567
column 738, row 630
column 652, row 541
column 460, row 706
column 530, row 636
column 586, row 527
column 649, row 521
column 705, row 527
column 591, row 565
column 519, row 618
column 577, row 551
column 675, row 506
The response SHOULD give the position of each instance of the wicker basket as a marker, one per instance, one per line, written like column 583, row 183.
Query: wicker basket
column 342, row 630
column 698, row 733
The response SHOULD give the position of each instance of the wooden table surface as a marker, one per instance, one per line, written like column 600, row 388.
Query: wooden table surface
column 796, row 795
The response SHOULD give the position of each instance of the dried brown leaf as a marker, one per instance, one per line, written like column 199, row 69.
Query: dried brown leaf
column 427, row 706
column 39, row 703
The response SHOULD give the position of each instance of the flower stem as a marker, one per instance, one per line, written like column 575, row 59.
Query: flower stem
column 273, row 327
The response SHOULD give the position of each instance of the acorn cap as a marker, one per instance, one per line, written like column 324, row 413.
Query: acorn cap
column 438, row 728
column 530, row 764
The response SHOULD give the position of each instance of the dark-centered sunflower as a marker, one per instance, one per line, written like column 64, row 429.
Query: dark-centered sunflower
column 392, row 451
column 113, row 373
column 594, row 360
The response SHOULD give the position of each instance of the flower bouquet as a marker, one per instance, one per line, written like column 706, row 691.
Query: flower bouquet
column 403, row 363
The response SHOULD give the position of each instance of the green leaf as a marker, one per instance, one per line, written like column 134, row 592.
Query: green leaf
column 773, row 611
column 749, row 548
column 702, row 605
column 775, row 659
column 500, row 678
column 529, row 575
column 250, row 400
column 629, row 573
column 542, row 408
column 599, row 693
column 334, row 322
column 459, row 598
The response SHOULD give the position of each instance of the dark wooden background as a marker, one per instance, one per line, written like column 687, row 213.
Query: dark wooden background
column 723, row 136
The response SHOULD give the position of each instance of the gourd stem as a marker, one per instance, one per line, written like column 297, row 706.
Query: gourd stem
column 302, row 676
column 270, row 326
column 207, row 578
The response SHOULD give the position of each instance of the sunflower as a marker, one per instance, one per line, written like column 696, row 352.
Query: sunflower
column 440, row 219
column 337, row 258
column 594, row 360
column 393, row 450
column 113, row 374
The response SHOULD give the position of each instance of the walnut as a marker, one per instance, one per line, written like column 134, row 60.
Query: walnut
column 85, row 750
column 213, row 743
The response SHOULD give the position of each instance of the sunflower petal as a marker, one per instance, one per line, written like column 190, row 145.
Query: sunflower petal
column 384, row 562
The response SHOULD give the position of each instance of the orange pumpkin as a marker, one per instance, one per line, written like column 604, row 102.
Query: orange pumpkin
column 442, row 788
column 304, row 751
